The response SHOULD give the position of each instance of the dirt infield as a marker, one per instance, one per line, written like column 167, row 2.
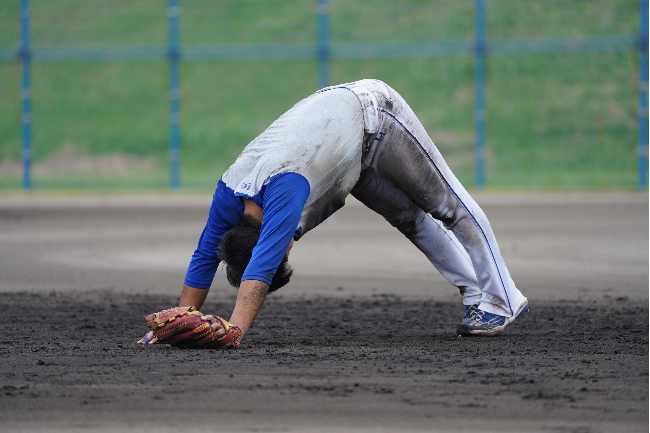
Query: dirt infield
column 362, row 340
column 380, row 361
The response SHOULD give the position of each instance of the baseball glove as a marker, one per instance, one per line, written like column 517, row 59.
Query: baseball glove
column 182, row 327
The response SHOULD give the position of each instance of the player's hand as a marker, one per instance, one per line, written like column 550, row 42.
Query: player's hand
column 218, row 330
column 148, row 338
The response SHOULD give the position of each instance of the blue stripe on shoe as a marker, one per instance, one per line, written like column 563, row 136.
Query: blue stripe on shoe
column 496, row 265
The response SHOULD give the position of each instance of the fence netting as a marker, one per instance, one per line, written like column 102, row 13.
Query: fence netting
column 100, row 99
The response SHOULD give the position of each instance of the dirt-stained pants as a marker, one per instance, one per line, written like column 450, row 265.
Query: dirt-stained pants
column 406, row 180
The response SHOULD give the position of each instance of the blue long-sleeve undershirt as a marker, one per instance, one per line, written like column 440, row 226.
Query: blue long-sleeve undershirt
column 282, row 200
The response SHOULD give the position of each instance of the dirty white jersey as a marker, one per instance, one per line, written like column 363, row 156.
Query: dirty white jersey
column 320, row 138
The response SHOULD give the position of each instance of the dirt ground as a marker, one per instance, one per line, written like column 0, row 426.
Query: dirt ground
column 362, row 340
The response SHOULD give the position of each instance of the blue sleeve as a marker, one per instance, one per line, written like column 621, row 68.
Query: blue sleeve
column 225, row 211
column 283, row 200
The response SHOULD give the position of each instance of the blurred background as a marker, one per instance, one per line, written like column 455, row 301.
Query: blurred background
column 561, row 87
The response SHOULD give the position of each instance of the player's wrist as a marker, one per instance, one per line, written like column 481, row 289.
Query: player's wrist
column 193, row 297
column 250, row 298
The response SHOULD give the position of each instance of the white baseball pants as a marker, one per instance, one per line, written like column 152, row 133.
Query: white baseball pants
column 406, row 180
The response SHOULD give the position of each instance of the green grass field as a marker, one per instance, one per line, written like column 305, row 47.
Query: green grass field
column 553, row 122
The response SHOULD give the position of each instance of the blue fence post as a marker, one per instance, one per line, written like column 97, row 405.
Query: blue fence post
column 323, row 52
column 173, row 54
column 643, row 94
column 25, row 94
column 479, row 93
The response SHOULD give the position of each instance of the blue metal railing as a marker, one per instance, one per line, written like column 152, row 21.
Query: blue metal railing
column 173, row 54
column 323, row 51
column 336, row 50
column 479, row 93
column 26, row 94
column 643, row 95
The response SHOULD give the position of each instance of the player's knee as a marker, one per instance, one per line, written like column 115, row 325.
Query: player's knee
column 403, row 218
column 446, row 211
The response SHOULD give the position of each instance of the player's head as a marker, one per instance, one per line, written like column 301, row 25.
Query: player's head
column 236, row 249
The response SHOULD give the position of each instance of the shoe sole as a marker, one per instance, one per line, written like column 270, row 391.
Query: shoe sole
column 494, row 331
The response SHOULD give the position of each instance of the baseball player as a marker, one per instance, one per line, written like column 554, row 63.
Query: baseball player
column 358, row 138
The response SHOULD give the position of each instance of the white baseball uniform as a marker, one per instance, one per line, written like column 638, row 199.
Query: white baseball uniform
column 363, row 138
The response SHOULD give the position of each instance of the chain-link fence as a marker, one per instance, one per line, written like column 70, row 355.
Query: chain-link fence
column 561, row 88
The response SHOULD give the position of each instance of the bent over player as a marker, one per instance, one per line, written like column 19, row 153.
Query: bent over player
column 362, row 139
